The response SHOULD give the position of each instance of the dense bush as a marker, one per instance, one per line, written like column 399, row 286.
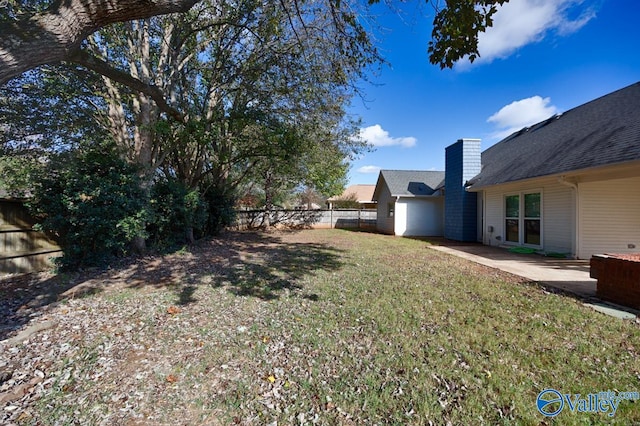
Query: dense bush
column 95, row 205
column 178, row 215
column 220, row 205
column 92, row 203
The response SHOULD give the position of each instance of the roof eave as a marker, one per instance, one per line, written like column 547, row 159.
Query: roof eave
column 625, row 168
column 416, row 196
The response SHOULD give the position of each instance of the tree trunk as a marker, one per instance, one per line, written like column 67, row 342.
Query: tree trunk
column 139, row 245
column 96, row 64
column 50, row 36
column 189, row 235
column 268, row 202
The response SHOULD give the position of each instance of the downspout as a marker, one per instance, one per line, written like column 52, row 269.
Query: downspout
column 574, row 186
column 395, row 215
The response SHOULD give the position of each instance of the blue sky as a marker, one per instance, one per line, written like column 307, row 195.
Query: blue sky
column 541, row 57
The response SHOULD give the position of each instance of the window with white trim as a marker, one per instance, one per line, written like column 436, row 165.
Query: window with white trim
column 512, row 218
column 523, row 218
column 532, row 216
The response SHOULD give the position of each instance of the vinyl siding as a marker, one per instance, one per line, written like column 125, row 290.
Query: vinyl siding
column 558, row 214
column 493, row 218
column 609, row 216
column 559, row 219
column 384, row 224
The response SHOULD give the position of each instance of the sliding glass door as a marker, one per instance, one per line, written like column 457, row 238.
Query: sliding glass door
column 523, row 218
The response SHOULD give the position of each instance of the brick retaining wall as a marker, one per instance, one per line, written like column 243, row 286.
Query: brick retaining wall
column 618, row 278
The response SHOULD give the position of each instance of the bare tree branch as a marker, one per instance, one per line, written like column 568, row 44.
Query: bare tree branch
column 96, row 64
column 51, row 36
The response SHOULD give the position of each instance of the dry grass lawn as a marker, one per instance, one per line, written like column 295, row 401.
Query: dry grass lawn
column 310, row 327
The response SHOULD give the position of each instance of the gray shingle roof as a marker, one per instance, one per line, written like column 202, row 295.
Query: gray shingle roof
column 601, row 132
column 410, row 183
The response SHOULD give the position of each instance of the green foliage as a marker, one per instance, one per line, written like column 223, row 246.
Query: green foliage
column 326, row 169
column 92, row 203
column 456, row 28
column 11, row 9
column 220, row 205
column 306, row 197
column 52, row 108
column 349, row 201
column 263, row 94
column 17, row 173
column 175, row 212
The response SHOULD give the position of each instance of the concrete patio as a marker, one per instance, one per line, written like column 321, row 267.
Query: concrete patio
column 568, row 275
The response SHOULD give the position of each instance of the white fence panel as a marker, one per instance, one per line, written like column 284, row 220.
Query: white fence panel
column 346, row 219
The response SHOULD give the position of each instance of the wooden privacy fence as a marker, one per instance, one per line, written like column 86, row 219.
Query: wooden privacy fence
column 22, row 249
column 346, row 219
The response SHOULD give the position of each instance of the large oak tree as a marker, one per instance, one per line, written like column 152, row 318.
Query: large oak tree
column 233, row 78
column 31, row 38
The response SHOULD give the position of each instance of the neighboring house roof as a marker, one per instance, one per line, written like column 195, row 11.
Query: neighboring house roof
column 363, row 193
column 602, row 132
column 409, row 183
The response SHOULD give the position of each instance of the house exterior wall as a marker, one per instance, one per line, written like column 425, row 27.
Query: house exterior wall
column 384, row 223
column 609, row 217
column 603, row 214
column 419, row 217
column 462, row 162
column 558, row 213
column 559, row 218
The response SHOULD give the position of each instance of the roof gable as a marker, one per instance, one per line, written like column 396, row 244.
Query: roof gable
column 409, row 183
column 362, row 192
column 601, row 132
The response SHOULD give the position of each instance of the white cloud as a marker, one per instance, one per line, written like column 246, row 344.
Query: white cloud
column 369, row 169
column 375, row 135
column 521, row 22
column 522, row 113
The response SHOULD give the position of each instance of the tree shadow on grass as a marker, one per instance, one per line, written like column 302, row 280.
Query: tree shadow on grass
column 262, row 265
column 268, row 269
column 26, row 297
column 249, row 264
column 185, row 296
